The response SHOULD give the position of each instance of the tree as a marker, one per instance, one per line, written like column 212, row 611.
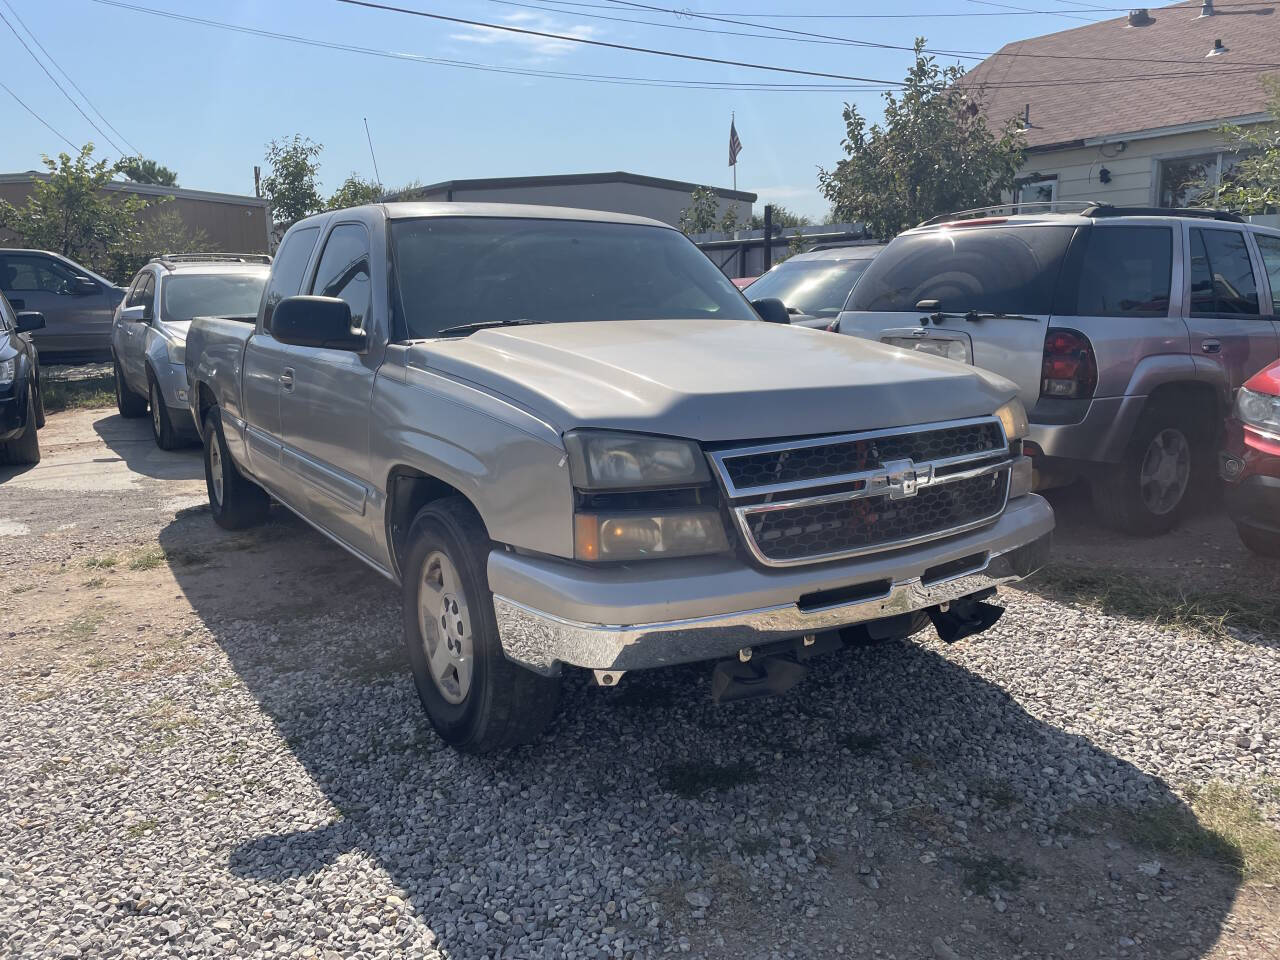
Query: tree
column 354, row 191
column 1253, row 184
column 933, row 154
column 161, row 230
column 782, row 217
column 700, row 215
column 142, row 170
column 291, row 186
column 72, row 212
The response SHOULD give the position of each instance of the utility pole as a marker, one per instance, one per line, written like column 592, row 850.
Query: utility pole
column 257, row 181
column 768, row 237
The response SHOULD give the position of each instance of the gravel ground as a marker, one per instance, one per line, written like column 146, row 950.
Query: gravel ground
column 210, row 746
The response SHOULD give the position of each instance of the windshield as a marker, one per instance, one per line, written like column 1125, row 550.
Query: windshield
column 479, row 270
column 212, row 295
column 817, row 288
column 991, row 270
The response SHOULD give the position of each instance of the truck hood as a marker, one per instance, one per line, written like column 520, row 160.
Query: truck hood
column 712, row 380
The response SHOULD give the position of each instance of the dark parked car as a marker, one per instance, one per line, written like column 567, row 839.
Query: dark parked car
column 77, row 304
column 1250, row 462
column 21, row 410
column 815, row 285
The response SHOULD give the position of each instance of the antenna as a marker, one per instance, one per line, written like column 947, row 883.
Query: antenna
column 369, row 137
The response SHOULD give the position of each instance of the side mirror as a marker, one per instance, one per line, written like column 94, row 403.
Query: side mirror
column 83, row 286
column 323, row 322
column 29, row 320
column 134, row 314
column 771, row 310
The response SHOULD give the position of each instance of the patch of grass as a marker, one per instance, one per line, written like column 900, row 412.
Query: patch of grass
column 36, row 696
column 59, row 395
column 999, row 792
column 154, row 557
column 94, row 583
column 104, row 562
column 141, row 827
column 1217, row 613
column 80, row 627
column 167, row 716
column 147, row 560
column 23, row 588
column 863, row 742
column 986, row 873
column 1224, row 825
column 691, row 780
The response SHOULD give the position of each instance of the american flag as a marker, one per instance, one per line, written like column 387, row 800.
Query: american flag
column 735, row 145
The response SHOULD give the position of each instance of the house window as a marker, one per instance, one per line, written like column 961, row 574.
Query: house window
column 1188, row 181
column 1038, row 191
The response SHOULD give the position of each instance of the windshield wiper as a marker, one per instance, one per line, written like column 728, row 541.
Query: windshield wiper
column 972, row 315
column 487, row 324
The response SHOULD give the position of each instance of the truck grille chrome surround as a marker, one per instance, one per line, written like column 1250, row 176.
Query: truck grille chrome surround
column 829, row 498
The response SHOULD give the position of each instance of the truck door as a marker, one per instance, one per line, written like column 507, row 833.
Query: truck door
column 324, row 402
column 265, row 362
column 1231, row 339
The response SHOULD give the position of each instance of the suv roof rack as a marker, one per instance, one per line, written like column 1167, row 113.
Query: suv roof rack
column 1203, row 213
column 172, row 259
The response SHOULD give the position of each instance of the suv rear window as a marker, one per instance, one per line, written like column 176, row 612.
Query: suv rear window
column 1118, row 272
column 990, row 269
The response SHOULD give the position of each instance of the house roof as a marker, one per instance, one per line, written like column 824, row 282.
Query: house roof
column 577, row 179
column 149, row 189
column 1169, row 82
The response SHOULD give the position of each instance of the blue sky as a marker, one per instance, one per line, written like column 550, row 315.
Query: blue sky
column 204, row 100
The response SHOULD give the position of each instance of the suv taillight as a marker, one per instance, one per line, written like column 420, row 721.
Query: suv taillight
column 1069, row 368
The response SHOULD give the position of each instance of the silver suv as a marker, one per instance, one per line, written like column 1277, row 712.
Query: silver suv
column 149, row 330
column 1127, row 331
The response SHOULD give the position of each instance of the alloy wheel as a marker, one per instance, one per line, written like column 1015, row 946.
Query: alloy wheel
column 1166, row 471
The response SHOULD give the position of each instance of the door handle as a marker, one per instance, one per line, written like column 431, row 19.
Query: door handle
column 286, row 378
column 1211, row 346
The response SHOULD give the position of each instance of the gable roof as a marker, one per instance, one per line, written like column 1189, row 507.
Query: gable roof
column 578, row 179
column 1171, row 83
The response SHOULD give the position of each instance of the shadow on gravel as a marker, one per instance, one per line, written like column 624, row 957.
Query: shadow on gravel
column 892, row 798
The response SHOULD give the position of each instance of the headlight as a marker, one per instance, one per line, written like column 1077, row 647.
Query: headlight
column 634, row 536
column 615, row 461
column 1013, row 415
column 1258, row 410
column 177, row 351
column 7, row 370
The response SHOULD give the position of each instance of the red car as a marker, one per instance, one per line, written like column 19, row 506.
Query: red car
column 1250, row 464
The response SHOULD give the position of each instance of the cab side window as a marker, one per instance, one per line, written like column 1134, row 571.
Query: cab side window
column 36, row 275
column 134, row 297
column 144, row 296
column 287, row 269
column 1222, row 282
column 344, row 270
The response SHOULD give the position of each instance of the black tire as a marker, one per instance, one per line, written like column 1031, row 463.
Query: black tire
column 128, row 403
column 1261, row 542
column 235, row 501
column 1118, row 494
column 25, row 448
column 39, row 403
column 166, row 435
column 501, row 704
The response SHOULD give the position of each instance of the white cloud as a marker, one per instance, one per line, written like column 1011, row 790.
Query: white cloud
column 537, row 48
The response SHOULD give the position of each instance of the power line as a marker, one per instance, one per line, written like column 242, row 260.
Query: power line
column 75, row 85
column 1019, row 12
column 614, row 79
column 55, row 82
column 46, row 123
column 525, row 31
column 1010, row 7
column 965, row 54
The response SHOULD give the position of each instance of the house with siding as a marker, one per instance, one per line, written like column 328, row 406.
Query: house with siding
column 1128, row 111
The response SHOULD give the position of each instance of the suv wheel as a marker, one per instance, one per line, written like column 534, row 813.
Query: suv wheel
column 128, row 403
column 1145, row 493
column 235, row 501
column 167, row 437
column 476, row 699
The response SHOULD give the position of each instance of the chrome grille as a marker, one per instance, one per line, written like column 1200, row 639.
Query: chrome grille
column 841, row 496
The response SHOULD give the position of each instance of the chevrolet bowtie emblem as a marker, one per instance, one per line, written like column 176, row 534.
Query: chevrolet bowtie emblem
column 901, row 479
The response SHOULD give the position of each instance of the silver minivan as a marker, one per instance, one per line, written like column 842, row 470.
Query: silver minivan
column 149, row 333
column 1127, row 331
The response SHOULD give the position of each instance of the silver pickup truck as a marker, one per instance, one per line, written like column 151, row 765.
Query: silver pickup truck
column 571, row 441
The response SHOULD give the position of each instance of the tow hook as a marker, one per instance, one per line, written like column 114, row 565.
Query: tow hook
column 964, row 617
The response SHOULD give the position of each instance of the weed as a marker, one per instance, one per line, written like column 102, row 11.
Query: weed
column 147, row 560
column 999, row 792
column 986, row 873
column 150, row 559
column 81, row 627
column 1219, row 613
column 167, row 716
column 23, row 588
column 82, row 394
column 692, row 779
column 94, row 583
column 104, row 562
column 141, row 827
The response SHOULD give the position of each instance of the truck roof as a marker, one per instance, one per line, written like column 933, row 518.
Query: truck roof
column 409, row 210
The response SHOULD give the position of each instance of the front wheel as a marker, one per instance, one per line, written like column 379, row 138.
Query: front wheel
column 476, row 699
column 25, row 448
column 1146, row 493
column 162, row 428
column 235, row 501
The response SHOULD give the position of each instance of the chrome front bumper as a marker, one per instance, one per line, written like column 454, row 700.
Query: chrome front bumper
column 880, row 587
